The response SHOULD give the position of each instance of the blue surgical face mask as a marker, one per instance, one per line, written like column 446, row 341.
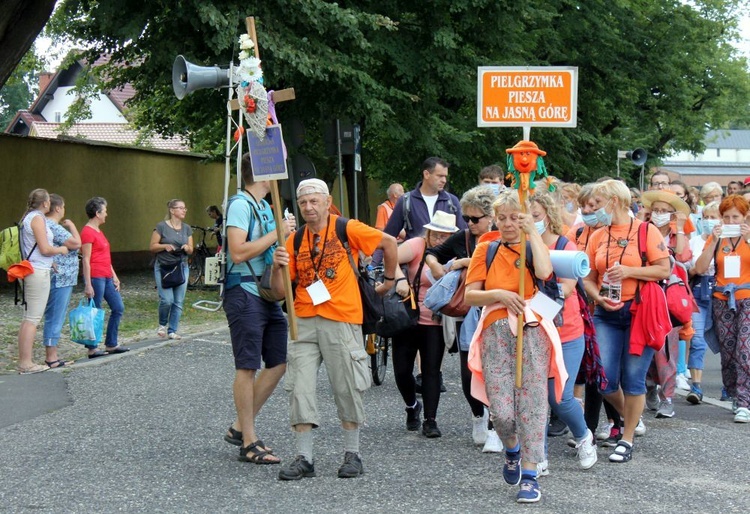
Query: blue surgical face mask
column 590, row 219
column 604, row 217
column 540, row 226
column 660, row 218
column 708, row 225
column 495, row 189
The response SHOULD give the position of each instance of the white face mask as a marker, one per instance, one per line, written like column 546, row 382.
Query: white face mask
column 660, row 219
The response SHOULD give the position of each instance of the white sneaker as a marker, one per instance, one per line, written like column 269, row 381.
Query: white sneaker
column 688, row 375
column 603, row 430
column 175, row 335
column 640, row 428
column 493, row 444
column 542, row 468
column 681, row 382
column 161, row 331
column 586, row 450
column 742, row 415
column 479, row 430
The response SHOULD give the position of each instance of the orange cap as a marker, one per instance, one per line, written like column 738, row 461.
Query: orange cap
column 20, row 271
column 526, row 146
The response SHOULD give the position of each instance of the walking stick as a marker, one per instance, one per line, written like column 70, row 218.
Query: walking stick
column 525, row 163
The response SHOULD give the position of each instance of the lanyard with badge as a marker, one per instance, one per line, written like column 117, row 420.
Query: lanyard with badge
column 317, row 290
column 732, row 261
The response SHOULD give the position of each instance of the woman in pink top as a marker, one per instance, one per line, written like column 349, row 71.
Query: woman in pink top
column 100, row 279
column 427, row 336
column 548, row 223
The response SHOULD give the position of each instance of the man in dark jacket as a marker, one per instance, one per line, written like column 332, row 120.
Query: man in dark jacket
column 415, row 209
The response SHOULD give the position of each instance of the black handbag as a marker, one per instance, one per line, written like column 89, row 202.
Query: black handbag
column 172, row 275
column 399, row 314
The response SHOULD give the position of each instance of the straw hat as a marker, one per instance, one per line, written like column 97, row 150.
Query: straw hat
column 669, row 197
column 442, row 222
column 20, row 271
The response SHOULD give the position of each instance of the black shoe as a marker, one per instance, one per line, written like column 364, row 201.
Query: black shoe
column 413, row 417
column 615, row 434
column 430, row 429
column 298, row 469
column 556, row 427
column 442, row 384
column 418, row 384
column 352, row 466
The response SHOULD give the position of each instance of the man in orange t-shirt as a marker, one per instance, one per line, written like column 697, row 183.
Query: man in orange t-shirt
column 329, row 309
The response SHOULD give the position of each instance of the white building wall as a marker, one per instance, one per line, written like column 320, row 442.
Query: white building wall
column 102, row 108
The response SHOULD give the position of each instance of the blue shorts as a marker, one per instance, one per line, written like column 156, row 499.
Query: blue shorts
column 258, row 330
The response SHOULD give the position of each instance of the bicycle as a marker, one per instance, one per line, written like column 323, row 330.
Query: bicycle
column 197, row 261
column 377, row 346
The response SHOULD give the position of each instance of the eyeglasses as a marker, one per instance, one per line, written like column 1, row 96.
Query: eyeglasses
column 316, row 242
column 473, row 219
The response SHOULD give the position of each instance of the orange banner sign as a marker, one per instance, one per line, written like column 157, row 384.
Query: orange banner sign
column 542, row 96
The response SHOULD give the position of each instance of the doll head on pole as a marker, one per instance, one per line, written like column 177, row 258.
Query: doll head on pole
column 525, row 161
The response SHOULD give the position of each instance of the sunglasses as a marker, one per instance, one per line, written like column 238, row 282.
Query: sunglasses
column 473, row 219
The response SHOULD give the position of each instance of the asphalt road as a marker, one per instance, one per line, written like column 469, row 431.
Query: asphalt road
column 142, row 432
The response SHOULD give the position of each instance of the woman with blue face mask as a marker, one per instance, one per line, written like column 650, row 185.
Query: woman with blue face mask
column 613, row 250
column 548, row 223
column 702, row 285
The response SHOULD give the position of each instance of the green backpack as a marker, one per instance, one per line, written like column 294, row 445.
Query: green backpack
column 10, row 247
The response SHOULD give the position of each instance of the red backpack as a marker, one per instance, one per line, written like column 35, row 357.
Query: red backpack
column 680, row 301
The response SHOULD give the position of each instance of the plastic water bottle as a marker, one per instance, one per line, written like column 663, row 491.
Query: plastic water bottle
column 615, row 288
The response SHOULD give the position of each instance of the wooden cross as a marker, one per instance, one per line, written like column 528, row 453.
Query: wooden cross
column 278, row 96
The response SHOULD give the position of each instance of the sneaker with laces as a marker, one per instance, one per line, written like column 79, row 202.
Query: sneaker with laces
column 479, row 429
column 493, row 444
column 430, row 429
column 742, row 415
column 640, row 428
column 297, row 469
column 586, row 450
column 681, row 382
column 666, row 409
column 512, row 468
column 529, row 491
column 615, row 434
column 603, row 430
column 352, row 466
column 556, row 427
column 695, row 396
column 542, row 468
column 413, row 417
column 161, row 331
column 652, row 398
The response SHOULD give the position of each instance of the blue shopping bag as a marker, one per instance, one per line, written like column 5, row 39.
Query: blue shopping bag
column 86, row 323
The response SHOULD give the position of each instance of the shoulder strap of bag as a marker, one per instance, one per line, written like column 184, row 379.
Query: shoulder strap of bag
column 341, row 223
column 405, row 208
column 468, row 251
column 20, row 246
column 491, row 253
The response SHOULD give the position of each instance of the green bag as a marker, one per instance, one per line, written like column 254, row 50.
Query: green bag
column 10, row 247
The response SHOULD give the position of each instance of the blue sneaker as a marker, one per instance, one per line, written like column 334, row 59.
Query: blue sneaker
column 529, row 492
column 695, row 396
column 724, row 395
column 512, row 468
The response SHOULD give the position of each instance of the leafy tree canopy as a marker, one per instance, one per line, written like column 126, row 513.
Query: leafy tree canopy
column 652, row 73
column 21, row 88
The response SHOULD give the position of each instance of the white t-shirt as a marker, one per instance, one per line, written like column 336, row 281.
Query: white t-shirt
column 28, row 241
column 430, row 201
column 696, row 246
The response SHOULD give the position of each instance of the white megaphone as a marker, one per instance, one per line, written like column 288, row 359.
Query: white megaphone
column 188, row 77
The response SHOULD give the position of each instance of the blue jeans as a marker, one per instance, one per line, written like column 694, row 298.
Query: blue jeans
column 621, row 367
column 569, row 410
column 54, row 314
column 698, row 343
column 171, row 300
column 104, row 289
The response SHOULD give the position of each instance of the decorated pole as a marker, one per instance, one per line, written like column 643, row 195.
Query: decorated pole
column 525, row 163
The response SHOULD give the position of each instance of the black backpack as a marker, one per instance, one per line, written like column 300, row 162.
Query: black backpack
column 372, row 303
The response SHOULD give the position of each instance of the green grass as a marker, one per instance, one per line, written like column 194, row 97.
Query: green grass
column 139, row 322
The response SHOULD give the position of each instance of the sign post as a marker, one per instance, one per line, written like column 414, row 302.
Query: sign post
column 526, row 96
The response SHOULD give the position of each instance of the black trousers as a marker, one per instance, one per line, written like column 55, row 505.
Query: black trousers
column 428, row 341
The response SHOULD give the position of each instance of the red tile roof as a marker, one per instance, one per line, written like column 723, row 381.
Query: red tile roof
column 117, row 133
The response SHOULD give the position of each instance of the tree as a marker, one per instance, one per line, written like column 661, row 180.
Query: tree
column 21, row 21
column 652, row 73
column 21, row 88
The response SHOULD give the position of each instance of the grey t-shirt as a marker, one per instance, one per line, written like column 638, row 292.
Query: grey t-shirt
column 177, row 238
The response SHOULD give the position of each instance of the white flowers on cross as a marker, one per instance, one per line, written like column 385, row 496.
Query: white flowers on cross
column 249, row 70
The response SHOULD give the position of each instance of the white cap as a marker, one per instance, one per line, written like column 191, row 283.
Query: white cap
column 312, row 186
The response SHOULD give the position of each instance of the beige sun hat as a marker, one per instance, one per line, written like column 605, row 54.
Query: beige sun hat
column 442, row 222
column 669, row 197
